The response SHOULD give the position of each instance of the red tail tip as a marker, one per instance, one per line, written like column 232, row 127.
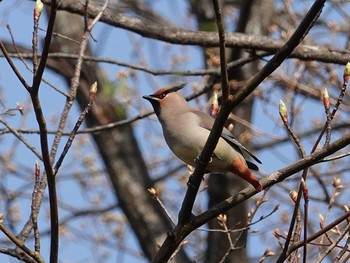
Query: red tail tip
column 258, row 186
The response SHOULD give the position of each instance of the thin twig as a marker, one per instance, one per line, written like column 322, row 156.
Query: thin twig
column 285, row 249
column 22, row 56
column 175, row 238
column 21, row 138
column 270, row 180
column 328, row 117
column 35, row 41
column 222, row 221
column 319, row 233
column 334, row 244
column 156, row 72
column 344, row 249
column 75, row 81
column 13, row 67
column 258, row 204
column 222, row 47
column 37, row 78
column 109, row 125
column 305, row 25
column 204, row 157
column 333, row 158
column 19, row 244
column 74, row 131
column 296, row 213
column 44, row 55
column 155, row 196
column 176, row 35
column 16, row 49
column 337, row 187
column 35, row 208
column 334, row 111
column 306, row 215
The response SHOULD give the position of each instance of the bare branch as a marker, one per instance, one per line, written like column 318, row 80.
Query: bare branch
column 171, row 243
column 208, row 39
column 19, row 244
column 21, row 138
column 155, row 72
column 76, row 127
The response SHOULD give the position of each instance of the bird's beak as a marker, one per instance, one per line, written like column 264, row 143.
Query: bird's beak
column 154, row 101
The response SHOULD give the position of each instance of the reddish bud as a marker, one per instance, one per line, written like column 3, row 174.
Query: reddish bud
column 37, row 169
column 325, row 98
column 305, row 189
column 214, row 107
column 93, row 91
column 38, row 9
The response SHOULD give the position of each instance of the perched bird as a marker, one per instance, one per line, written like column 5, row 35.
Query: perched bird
column 186, row 130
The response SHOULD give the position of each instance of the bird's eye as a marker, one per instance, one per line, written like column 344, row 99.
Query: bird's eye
column 161, row 95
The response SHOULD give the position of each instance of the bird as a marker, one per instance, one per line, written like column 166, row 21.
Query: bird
column 186, row 131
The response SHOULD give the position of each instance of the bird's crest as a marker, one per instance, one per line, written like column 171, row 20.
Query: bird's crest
column 173, row 87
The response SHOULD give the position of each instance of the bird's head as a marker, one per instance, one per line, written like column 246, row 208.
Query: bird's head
column 167, row 98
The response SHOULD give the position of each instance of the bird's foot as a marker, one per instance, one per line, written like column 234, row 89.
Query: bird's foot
column 199, row 161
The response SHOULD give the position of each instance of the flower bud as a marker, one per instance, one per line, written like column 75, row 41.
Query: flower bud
column 93, row 91
column 305, row 189
column 214, row 107
column 153, row 192
column 293, row 195
column 277, row 233
column 283, row 111
column 322, row 222
column 38, row 9
column 20, row 108
column 37, row 169
column 337, row 183
column 222, row 218
column 268, row 253
column 325, row 98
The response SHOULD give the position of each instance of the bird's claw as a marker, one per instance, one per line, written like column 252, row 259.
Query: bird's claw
column 199, row 161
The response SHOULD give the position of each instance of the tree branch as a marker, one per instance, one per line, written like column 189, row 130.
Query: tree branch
column 175, row 238
column 184, row 226
column 180, row 36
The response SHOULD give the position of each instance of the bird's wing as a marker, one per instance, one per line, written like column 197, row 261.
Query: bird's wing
column 207, row 122
column 227, row 135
